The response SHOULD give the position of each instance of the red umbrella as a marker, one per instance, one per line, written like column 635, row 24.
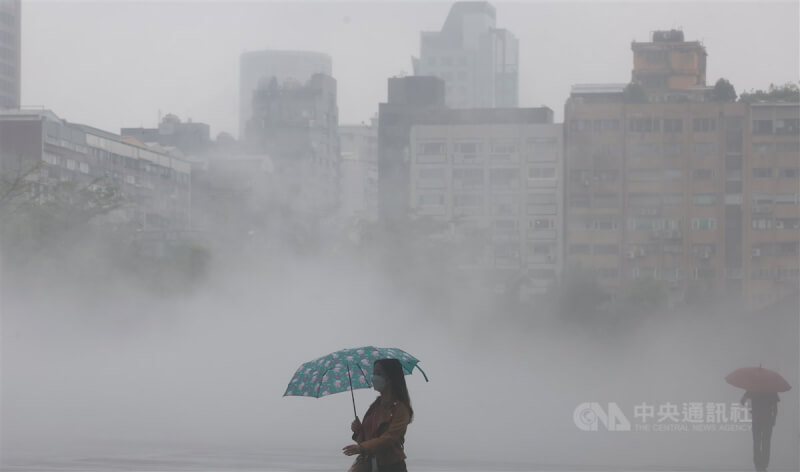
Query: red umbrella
column 758, row 379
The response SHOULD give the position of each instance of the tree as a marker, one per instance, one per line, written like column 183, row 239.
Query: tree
column 723, row 91
column 579, row 295
column 634, row 93
column 788, row 92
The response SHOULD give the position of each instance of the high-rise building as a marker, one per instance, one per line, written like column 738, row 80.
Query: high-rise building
column 477, row 61
column 701, row 196
column 495, row 176
column 359, row 171
column 10, row 53
column 410, row 99
column 297, row 126
column 284, row 66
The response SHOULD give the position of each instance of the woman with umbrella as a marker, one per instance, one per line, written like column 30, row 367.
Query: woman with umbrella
column 762, row 387
column 379, row 439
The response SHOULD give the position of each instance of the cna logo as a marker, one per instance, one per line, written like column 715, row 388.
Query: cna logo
column 588, row 416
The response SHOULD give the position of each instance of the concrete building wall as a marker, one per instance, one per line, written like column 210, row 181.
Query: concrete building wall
column 359, row 171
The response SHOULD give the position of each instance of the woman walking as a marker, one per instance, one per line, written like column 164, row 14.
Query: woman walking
column 380, row 438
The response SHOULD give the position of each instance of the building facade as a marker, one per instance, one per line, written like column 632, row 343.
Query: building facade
column 10, row 53
column 297, row 126
column 359, row 171
column 190, row 138
column 478, row 62
column 495, row 176
column 285, row 66
column 701, row 196
column 155, row 187
column 411, row 99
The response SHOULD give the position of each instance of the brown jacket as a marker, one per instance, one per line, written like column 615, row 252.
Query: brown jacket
column 387, row 446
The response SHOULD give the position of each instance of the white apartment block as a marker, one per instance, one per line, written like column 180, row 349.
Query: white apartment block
column 500, row 183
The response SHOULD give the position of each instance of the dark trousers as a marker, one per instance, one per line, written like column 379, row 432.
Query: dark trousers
column 397, row 467
column 762, row 433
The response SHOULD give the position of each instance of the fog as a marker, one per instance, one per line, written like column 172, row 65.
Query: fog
column 114, row 361
column 104, row 367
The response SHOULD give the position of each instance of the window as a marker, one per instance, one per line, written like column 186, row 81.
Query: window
column 538, row 173
column 786, row 223
column 762, row 172
column 541, row 199
column 429, row 199
column 702, row 125
column 606, row 249
column 705, row 273
column 673, row 174
column 705, row 199
column 504, row 178
column 762, row 126
column 644, row 175
column 702, row 174
column 787, row 127
column 607, row 272
column 606, row 175
column 763, row 148
column 672, row 199
column 579, row 200
column 673, row 125
column 763, row 199
column 431, row 178
column 84, row 167
column 644, row 125
column 762, row 223
column 468, row 199
column 700, row 224
column 504, row 146
column 580, row 125
column 432, row 149
column 466, row 148
column 786, row 198
column 541, row 224
column 504, row 204
column 605, row 125
column 703, row 250
column 606, row 200
column 789, row 173
column 467, row 178
column 579, row 249
column 789, row 147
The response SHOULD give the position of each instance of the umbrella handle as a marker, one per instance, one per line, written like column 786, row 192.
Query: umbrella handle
column 352, row 397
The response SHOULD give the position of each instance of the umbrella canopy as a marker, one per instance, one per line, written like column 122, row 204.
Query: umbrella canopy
column 758, row 379
column 343, row 370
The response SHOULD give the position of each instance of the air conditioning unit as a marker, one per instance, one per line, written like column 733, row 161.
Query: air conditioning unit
column 779, row 224
column 756, row 252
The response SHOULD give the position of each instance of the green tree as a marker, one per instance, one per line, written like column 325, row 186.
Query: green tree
column 723, row 91
column 788, row 92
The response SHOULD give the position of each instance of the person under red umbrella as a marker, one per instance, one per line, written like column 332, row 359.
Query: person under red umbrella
column 763, row 411
column 762, row 387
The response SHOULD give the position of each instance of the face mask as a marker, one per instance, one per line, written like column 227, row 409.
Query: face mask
column 378, row 382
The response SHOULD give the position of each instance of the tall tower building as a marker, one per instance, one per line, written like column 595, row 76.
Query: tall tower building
column 284, row 66
column 10, row 48
column 477, row 61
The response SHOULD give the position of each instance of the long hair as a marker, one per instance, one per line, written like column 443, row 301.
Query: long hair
column 394, row 370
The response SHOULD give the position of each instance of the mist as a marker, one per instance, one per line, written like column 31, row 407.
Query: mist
column 120, row 353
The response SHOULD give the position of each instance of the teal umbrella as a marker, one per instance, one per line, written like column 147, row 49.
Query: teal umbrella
column 343, row 370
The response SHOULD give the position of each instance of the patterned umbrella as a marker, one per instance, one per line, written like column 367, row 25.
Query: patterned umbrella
column 343, row 370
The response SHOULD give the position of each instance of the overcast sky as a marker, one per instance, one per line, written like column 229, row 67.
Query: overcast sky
column 114, row 64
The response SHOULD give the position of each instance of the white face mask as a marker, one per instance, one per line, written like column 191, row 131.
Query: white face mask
column 378, row 382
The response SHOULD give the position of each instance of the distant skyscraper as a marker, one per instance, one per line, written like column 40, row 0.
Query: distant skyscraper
column 296, row 66
column 477, row 61
column 10, row 40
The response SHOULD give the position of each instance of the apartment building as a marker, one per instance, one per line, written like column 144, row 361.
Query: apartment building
column 155, row 187
column 495, row 177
